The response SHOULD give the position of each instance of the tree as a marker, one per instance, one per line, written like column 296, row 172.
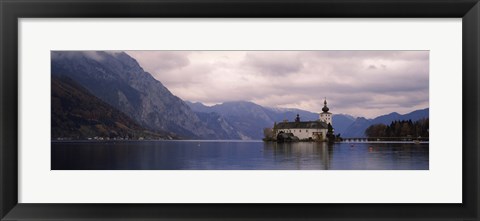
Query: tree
column 330, row 135
column 405, row 129
column 376, row 130
column 402, row 128
column 268, row 133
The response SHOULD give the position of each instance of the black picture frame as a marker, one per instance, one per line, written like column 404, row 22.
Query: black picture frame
column 12, row 10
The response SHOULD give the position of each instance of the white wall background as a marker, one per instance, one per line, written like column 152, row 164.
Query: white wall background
column 440, row 184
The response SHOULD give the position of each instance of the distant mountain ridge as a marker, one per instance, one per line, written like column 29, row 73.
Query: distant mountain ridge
column 358, row 127
column 249, row 118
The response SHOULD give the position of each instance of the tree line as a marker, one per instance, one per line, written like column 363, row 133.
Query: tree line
column 403, row 128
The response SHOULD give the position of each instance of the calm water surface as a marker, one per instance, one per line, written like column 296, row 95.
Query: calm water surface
column 237, row 155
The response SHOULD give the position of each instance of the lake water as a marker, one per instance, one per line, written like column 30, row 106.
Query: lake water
column 237, row 155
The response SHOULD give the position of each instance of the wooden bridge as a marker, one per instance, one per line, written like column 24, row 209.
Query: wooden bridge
column 383, row 139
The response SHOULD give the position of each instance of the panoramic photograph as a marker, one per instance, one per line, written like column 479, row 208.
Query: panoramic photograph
column 240, row 110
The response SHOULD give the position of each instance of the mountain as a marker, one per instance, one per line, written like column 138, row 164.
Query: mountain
column 249, row 119
column 198, row 107
column 77, row 114
column 358, row 127
column 118, row 80
column 414, row 116
column 281, row 114
column 341, row 122
column 220, row 126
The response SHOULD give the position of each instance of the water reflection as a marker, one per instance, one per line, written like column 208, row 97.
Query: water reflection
column 303, row 155
column 235, row 155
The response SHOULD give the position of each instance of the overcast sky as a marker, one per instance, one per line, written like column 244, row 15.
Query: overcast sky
column 359, row 83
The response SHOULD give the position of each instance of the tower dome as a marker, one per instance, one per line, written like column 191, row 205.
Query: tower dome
column 325, row 108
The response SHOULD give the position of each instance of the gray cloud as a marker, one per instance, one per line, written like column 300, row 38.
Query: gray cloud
column 361, row 83
column 270, row 62
column 160, row 61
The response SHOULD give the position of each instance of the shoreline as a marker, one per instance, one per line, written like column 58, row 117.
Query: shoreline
column 113, row 141
column 226, row 141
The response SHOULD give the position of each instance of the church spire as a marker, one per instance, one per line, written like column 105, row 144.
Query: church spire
column 325, row 108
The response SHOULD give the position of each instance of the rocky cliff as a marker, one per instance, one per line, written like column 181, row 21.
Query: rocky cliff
column 118, row 79
column 77, row 114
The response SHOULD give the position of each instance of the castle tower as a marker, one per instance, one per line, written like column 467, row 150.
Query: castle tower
column 326, row 116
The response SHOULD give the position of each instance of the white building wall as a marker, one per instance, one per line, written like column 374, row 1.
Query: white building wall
column 327, row 118
column 304, row 133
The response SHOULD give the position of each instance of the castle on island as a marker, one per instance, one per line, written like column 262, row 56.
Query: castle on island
column 302, row 130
